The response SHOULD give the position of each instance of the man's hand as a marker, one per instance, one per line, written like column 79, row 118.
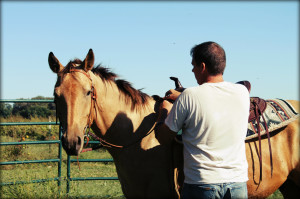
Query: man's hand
column 172, row 95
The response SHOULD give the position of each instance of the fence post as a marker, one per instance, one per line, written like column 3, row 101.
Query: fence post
column 68, row 174
column 60, row 158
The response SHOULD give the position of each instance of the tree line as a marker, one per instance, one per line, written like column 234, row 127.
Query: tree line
column 28, row 110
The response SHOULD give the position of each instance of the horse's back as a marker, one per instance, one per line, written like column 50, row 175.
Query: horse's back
column 285, row 144
column 295, row 104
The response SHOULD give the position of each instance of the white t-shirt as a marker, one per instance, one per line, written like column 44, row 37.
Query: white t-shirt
column 214, row 121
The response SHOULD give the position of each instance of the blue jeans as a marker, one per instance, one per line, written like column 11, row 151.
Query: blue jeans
column 235, row 190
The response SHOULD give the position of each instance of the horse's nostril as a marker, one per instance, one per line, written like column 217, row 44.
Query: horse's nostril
column 78, row 145
column 72, row 145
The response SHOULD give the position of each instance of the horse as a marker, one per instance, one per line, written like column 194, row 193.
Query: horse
column 124, row 119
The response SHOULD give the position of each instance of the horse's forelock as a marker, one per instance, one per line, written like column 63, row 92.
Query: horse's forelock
column 65, row 70
column 76, row 61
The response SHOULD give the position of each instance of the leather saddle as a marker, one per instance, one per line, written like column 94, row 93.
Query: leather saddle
column 257, row 105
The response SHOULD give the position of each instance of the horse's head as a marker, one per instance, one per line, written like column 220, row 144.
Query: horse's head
column 74, row 94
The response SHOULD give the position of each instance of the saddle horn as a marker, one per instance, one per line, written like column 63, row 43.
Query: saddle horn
column 178, row 85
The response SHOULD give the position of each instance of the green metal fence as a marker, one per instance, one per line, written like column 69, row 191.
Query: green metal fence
column 59, row 156
column 70, row 160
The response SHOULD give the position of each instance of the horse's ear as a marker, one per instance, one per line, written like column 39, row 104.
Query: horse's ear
column 88, row 63
column 54, row 64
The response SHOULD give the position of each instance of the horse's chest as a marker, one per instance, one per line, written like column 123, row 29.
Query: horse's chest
column 132, row 163
column 145, row 171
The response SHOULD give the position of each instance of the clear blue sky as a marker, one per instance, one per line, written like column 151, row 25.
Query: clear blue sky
column 146, row 42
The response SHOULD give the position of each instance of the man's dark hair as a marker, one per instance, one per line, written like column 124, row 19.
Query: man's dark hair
column 212, row 54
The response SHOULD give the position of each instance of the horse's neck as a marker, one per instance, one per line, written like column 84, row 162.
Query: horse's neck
column 115, row 114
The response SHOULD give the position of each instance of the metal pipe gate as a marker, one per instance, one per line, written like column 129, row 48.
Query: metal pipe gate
column 58, row 160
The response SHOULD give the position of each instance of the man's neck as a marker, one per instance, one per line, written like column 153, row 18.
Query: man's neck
column 215, row 79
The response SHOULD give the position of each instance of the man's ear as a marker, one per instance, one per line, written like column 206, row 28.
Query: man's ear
column 54, row 64
column 203, row 67
column 88, row 62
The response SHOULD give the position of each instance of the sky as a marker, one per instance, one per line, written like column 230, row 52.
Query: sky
column 147, row 42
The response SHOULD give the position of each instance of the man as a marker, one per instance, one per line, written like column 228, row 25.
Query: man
column 213, row 117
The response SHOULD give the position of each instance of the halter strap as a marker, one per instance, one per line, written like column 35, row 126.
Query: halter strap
column 72, row 69
column 93, row 95
column 110, row 145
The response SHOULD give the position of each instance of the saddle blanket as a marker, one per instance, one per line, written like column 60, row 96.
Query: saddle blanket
column 278, row 113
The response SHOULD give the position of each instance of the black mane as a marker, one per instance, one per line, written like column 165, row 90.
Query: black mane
column 137, row 97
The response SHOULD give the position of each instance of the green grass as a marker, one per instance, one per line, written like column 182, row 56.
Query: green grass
column 28, row 172
column 37, row 132
column 276, row 195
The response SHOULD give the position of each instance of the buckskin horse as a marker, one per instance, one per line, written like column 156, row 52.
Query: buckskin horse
column 124, row 119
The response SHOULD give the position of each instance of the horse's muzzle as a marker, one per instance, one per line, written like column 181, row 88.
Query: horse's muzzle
column 71, row 145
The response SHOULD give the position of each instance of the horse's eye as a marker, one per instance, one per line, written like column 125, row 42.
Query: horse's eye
column 89, row 92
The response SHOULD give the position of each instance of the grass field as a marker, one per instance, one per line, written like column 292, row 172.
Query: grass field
column 28, row 172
